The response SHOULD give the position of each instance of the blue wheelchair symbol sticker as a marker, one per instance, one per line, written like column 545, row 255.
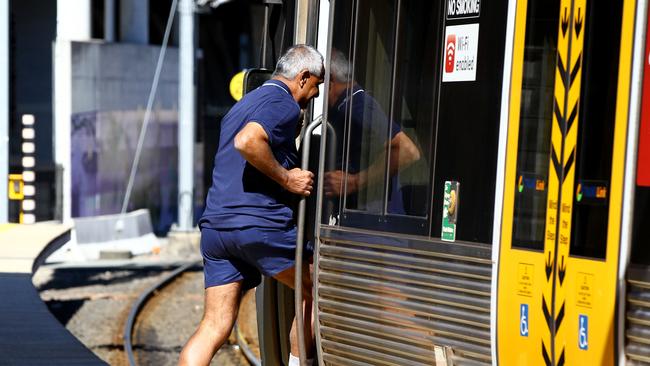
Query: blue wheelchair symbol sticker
column 583, row 333
column 523, row 320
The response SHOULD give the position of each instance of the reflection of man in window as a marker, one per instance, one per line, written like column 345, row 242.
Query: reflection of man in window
column 366, row 139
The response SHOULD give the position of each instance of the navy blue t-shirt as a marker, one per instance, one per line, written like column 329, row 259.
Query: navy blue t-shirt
column 240, row 195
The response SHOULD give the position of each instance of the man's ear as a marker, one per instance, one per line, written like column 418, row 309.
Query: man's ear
column 304, row 75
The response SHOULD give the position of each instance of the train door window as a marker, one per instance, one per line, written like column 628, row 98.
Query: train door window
column 369, row 106
column 380, row 107
column 339, row 91
column 535, row 124
column 416, row 80
column 596, row 128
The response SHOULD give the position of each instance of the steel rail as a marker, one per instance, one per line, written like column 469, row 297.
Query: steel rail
column 246, row 350
column 139, row 304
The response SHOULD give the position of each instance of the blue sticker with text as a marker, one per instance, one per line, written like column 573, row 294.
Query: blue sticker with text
column 583, row 333
column 523, row 320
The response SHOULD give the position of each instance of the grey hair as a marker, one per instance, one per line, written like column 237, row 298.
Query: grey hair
column 340, row 67
column 297, row 58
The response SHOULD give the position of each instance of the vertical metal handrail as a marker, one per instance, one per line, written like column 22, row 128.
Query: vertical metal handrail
column 300, row 236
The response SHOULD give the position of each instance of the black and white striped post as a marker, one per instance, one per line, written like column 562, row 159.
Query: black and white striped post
column 28, row 206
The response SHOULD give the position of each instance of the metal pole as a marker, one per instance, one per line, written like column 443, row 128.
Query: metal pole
column 73, row 21
column 4, row 110
column 109, row 20
column 133, row 25
column 72, row 24
column 265, row 35
column 186, row 117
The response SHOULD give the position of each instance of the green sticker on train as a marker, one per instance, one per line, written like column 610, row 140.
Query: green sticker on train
column 450, row 211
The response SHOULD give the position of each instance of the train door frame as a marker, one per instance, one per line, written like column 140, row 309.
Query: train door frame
column 641, row 53
column 621, row 118
column 501, row 170
column 324, row 35
column 322, row 31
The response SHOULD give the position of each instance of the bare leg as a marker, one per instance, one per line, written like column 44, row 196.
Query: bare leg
column 287, row 277
column 219, row 315
column 309, row 332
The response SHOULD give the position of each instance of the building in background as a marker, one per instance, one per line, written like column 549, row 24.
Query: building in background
column 84, row 68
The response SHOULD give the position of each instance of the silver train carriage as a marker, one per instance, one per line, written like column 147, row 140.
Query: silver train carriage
column 483, row 190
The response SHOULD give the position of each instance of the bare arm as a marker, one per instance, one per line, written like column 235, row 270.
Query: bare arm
column 403, row 153
column 252, row 142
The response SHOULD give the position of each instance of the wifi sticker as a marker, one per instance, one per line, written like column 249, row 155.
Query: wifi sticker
column 461, row 46
column 450, row 52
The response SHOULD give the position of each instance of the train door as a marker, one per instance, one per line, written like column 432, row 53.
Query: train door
column 564, row 175
column 413, row 97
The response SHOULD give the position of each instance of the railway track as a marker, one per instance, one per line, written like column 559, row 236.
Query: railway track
column 95, row 301
column 156, row 327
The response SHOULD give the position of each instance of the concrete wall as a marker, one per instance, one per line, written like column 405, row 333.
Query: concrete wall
column 118, row 76
column 110, row 84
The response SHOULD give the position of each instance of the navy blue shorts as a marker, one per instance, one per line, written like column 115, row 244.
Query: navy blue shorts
column 234, row 255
